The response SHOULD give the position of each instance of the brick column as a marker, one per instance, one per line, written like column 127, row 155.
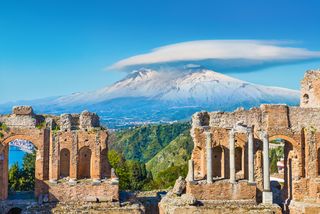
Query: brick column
column 96, row 160
column 74, row 158
column 232, row 157
column 54, row 158
column 4, row 174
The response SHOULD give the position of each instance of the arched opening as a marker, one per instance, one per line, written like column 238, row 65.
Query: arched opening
column 21, row 169
column 305, row 98
column 238, row 159
column 64, row 163
column 281, row 169
column 105, row 168
column 84, row 165
column 15, row 210
column 216, row 161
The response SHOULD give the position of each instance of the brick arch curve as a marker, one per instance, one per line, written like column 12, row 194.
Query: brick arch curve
column 40, row 174
column 30, row 138
column 284, row 137
column 290, row 146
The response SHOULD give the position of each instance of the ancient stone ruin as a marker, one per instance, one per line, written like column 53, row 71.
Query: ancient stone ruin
column 71, row 157
column 229, row 168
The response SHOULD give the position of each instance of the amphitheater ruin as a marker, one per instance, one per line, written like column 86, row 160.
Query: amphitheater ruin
column 230, row 159
column 71, row 157
column 229, row 170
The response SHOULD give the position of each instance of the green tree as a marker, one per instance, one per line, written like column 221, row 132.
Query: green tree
column 132, row 174
column 28, row 172
column 14, row 177
column 274, row 160
column 166, row 178
column 22, row 179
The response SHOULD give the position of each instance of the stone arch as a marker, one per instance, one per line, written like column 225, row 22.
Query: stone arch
column 30, row 138
column 284, row 137
column 4, row 163
column 84, row 163
column 290, row 151
column 15, row 210
column 64, row 163
column 217, row 161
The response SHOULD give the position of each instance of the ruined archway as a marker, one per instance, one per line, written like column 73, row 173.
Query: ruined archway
column 27, row 189
column 64, row 163
column 67, row 146
column 281, row 181
column 84, row 165
column 15, row 210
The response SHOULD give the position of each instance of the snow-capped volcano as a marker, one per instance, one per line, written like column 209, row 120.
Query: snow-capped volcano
column 190, row 87
column 149, row 95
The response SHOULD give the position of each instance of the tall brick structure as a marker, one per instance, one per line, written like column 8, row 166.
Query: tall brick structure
column 71, row 156
column 229, row 166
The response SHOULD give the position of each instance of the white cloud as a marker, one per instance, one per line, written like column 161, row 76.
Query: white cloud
column 242, row 51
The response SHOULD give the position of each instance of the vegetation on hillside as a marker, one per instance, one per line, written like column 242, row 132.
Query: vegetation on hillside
column 22, row 179
column 143, row 143
column 177, row 153
column 164, row 149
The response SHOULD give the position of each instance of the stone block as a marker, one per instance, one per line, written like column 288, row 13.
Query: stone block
column 267, row 197
column 22, row 110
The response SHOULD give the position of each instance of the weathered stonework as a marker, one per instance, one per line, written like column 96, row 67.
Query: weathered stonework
column 236, row 174
column 71, row 156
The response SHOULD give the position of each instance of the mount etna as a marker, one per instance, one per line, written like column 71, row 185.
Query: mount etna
column 155, row 96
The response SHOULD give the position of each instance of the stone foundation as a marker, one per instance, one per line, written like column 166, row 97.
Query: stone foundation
column 219, row 207
column 222, row 190
column 84, row 191
column 30, row 207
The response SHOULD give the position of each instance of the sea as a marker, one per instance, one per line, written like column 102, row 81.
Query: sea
column 15, row 155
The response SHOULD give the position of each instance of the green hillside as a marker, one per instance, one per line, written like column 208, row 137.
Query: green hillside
column 177, row 153
column 144, row 142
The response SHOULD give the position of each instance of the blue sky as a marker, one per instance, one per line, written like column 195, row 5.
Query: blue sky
column 57, row 47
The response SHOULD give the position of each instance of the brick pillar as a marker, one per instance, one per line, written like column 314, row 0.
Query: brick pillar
column 54, row 158
column 4, row 174
column 74, row 157
column 96, row 160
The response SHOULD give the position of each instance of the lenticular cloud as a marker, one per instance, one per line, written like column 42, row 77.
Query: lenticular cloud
column 225, row 53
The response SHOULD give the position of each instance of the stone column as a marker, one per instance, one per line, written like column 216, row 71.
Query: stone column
column 250, row 155
column 209, row 157
column 232, row 157
column 190, row 171
column 267, row 194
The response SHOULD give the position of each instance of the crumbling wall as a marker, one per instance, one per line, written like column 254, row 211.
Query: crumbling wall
column 50, row 135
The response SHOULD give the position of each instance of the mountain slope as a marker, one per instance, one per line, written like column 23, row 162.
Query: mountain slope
column 183, row 87
column 144, row 142
column 176, row 153
column 147, row 95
